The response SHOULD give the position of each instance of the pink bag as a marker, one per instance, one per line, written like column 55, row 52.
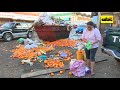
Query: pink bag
column 78, row 68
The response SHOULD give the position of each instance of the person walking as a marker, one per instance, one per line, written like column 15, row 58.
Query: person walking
column 91, row 34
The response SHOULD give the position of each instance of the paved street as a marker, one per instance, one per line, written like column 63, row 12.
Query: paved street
column 11, row 68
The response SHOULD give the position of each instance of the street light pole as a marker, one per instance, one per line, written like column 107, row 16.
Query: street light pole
column 98, row 22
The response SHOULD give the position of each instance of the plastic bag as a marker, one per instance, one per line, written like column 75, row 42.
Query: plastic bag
column 28, row 61
column 43, row 57
column 72, row 61
column 78, row 68
column 30, row 41
column 47, row 20
column 88, row 45
column 20, row 40
column 72, row 32
column 25, row 42
column 28, row 46
column 79, row 45
column 87, row 70
column 63, row 54
column 34, row 46
column 38, row 42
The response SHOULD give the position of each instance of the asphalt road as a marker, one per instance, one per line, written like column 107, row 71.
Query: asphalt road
column 11, row 68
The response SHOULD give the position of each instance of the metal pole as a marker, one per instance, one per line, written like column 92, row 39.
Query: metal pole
column 98, row 22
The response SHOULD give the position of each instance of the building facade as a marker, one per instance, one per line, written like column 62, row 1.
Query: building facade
column 116, row 20
column 72, row 17
column 18, row 16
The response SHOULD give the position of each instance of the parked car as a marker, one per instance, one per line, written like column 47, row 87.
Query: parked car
column 80, row 28
column 111, row 42
column 11, row 30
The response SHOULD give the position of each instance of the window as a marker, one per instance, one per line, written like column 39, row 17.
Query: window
column 110, row 29
column 24, row 25
column 7, row 25
column 18, row 26
column 29, row 24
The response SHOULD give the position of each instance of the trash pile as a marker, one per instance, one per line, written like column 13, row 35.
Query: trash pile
column 31, row 62
column 66, row 55
column 79, row 45
column 58, row 60
column 63, row 43
column 74, row 36
column 30, row 51
column 22, row 53
column 45, row 19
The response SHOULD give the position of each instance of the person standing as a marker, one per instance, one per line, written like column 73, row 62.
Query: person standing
column 92, row 35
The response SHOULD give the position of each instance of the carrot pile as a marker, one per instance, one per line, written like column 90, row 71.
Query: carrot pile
column 54, row 63
column 22, row 53
column 63, row 43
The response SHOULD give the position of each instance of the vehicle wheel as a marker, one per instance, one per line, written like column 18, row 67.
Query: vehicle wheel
column 7, row 37
column 30, row 34
column 117, row 59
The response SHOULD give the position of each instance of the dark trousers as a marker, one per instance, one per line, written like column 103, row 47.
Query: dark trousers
column 90, row 54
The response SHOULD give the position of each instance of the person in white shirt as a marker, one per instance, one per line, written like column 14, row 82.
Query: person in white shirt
column 93, row 35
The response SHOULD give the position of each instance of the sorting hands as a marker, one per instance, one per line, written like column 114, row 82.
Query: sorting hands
column 86, row 41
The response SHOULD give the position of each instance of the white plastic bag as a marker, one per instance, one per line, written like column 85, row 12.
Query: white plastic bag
column 27, row 61
column 72, row 32
column 28, row 46
column 34, row 46
column 38, row 42
column 47, row 20
column 79, row 46
column 30, row 41
column 72, row 61
column 25, row 42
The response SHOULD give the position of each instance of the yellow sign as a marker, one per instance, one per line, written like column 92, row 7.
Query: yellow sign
column 106, row 19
